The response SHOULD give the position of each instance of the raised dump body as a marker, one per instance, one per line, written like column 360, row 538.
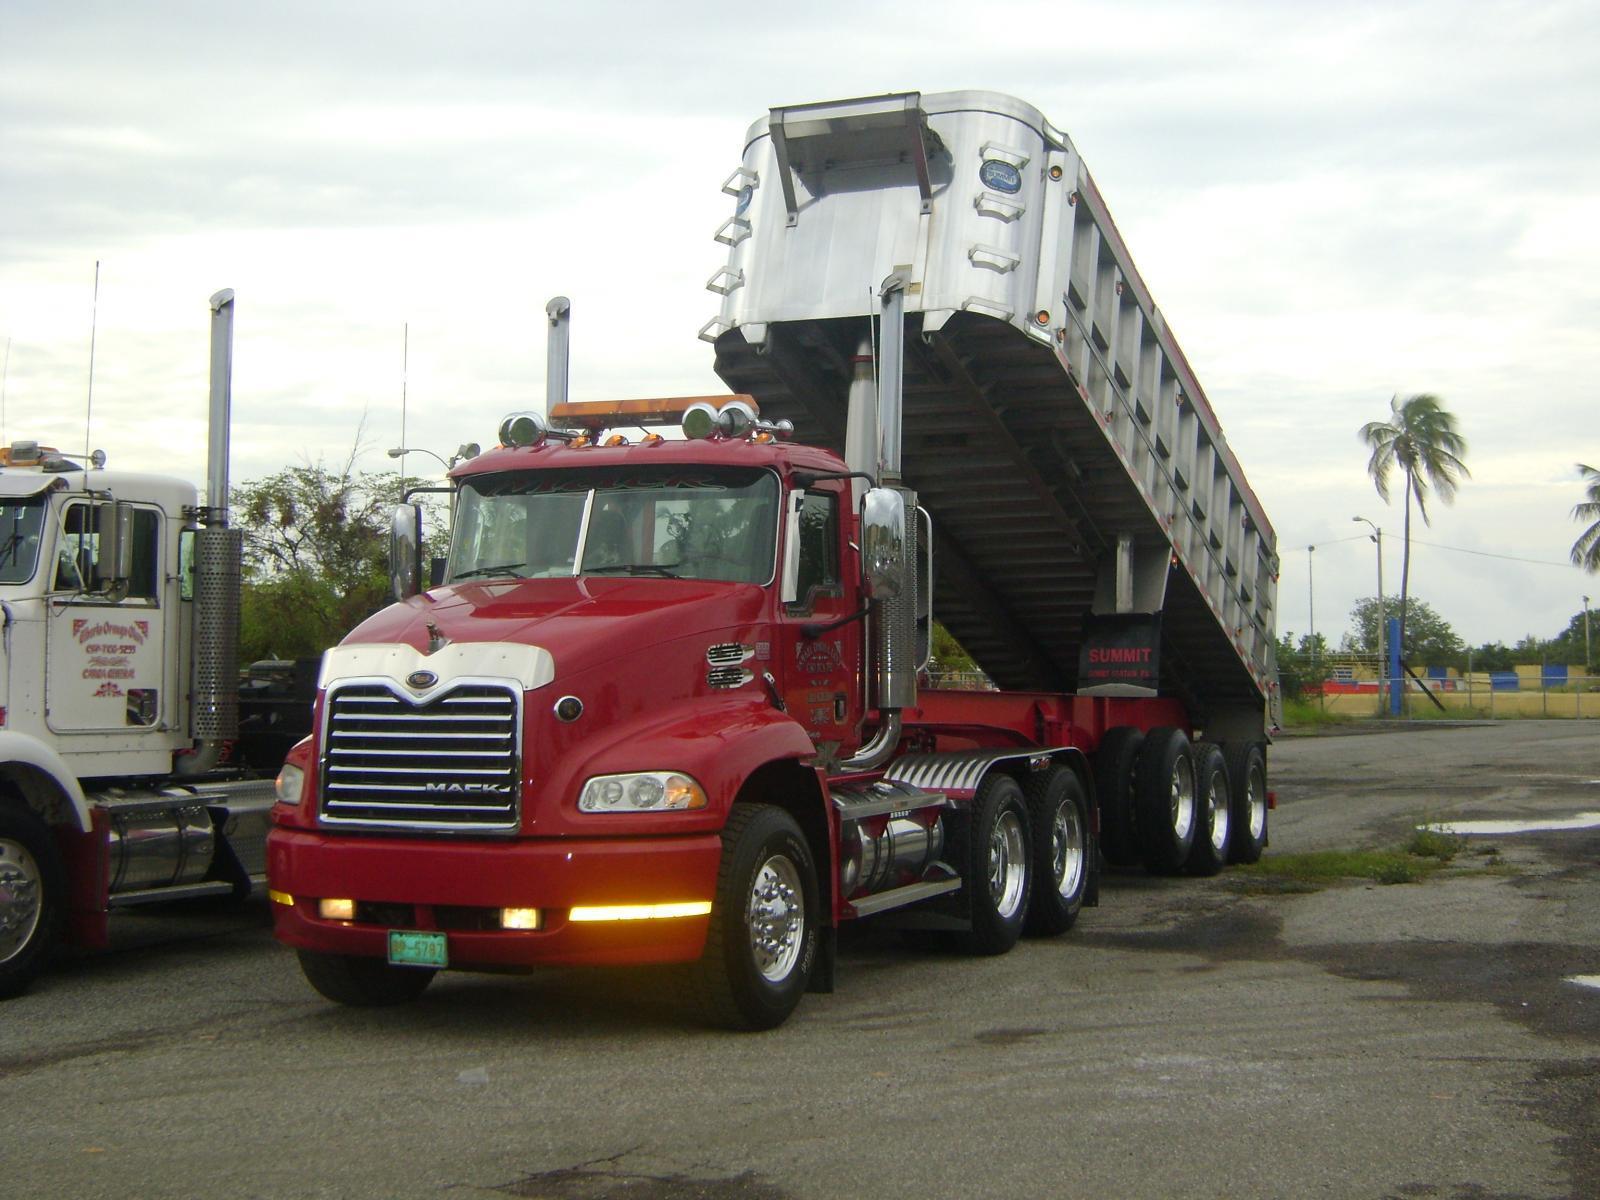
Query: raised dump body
column 1080, row 487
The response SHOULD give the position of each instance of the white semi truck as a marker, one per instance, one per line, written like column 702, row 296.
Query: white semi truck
column 119, row 692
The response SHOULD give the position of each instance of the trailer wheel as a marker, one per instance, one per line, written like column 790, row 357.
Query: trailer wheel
column 1247, row 770
column 997, row 866
column 765, row 920
column 32, row 897
column 363, row 982
column 1114, row 764
column 1213, row 810
column 1165, row 793
column 1063, row 850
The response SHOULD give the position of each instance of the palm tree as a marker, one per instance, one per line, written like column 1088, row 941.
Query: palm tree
column 1420, row 437
column 1586, row 550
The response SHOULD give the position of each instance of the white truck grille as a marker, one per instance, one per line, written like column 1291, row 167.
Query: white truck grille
column 449, row 763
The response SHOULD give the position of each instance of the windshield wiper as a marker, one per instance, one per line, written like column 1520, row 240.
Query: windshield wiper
column 633, row 569
column 502, row 569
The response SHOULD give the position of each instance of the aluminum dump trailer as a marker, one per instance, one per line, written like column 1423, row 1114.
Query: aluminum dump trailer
column 1078, row 481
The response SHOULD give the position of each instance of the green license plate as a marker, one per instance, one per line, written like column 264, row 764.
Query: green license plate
column 409, row 948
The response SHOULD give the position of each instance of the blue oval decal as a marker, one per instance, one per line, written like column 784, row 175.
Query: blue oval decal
column 1001, row 176
column 743, row 204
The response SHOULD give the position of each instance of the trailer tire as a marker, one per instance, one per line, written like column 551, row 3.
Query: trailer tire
column 765, row 922
column 363, row 982
column 33, row 890
column 1165, row 793
column 997, row 866
column 1063, row 850
column 1114, row 764
column 1247, row 771
column 1213, row 801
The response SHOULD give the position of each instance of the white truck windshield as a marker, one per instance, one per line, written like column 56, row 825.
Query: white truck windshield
column 673, row 522
column 21, row 522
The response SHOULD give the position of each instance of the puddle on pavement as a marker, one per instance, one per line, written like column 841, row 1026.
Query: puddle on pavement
column 1499, row 828
column 1588, row 981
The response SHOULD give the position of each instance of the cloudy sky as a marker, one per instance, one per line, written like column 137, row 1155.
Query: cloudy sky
column 1332, row 204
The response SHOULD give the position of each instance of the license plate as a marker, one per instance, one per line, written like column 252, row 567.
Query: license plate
column 409, row 948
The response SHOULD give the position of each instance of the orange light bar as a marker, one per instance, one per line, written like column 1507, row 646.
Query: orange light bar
column 607, row 414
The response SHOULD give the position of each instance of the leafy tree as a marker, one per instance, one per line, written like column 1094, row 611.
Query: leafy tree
column 1428, row 639
column 1420, row 438
column 1586, row 550
column 315, row 556
column 1493, row 656
column 1301, row 664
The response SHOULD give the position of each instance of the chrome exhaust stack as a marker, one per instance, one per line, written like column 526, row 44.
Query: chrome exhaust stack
column 218, row 558
column 888, row 537
column 558, row 353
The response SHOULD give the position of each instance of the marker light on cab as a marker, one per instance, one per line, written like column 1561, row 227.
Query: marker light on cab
column 641, row 791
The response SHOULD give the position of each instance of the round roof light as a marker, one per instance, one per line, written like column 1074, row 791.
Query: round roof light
column 699, row 420
column 735, row 419
column 522, row 429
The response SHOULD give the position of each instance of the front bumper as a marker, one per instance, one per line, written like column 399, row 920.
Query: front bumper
column 404, row 883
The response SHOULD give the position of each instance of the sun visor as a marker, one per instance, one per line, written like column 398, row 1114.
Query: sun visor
column 18, row 485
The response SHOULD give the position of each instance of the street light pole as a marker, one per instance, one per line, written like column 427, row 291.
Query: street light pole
column 1377, row 536
column 1586, row 660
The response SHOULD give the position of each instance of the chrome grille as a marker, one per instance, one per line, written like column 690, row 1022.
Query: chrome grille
column 449, row 763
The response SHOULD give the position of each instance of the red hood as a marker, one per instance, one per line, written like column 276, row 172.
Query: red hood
column 581, row 622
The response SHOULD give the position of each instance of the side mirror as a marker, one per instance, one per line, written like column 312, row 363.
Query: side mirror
column 113, row 560
column 405, row 552
column 883, row 539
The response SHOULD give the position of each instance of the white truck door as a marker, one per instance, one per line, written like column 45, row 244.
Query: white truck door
column 105, row 654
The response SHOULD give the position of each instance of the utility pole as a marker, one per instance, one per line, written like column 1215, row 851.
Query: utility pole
column 1377, row 536
column 1586, row 659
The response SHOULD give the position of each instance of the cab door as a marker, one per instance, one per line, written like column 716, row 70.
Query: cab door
column 820, row 650
column 105, row 649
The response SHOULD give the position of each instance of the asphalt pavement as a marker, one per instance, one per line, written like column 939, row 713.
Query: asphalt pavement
column 1191, row 1037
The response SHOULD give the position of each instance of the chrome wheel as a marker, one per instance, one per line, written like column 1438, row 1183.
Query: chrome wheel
column 1181, row 798
column 1008, row 865
column 776, row 918
column 1067, row 857
column 21, row 897
column 1256, row 805
column 1217, row 804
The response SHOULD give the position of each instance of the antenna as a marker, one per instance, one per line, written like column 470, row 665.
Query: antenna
column 5, row 374
column 94, row 321
column 405, row 370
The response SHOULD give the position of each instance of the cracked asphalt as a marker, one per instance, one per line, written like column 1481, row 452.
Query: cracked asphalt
column 1192, row 1038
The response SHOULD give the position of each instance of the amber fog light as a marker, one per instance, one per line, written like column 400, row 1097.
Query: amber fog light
column 519, row 918
column 336, row 910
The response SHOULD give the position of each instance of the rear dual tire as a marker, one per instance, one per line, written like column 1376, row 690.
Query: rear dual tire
column 1063, row 850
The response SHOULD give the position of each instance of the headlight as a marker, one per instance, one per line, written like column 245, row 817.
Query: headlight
column 288, row 784
column 646, row 791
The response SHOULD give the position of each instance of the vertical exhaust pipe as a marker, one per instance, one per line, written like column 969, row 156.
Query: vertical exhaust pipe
column 559, row 351
column 218, row 557
column 873, row 443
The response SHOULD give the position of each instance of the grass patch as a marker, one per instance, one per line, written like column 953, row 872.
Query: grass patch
column 1433, row 843
column 1302, row 714
column 1427, row 851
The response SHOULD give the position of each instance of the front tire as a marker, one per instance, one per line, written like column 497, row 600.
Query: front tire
column 363, row 982
column 1165, row 792
column 1063, row 850
column 1214, row 812
column 997, row 866
column 32, row 897
column 765, row 922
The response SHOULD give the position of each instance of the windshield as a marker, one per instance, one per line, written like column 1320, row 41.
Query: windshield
column 20, row 523
column 673, row 522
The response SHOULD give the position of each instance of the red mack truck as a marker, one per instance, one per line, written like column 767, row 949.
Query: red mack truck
column 664, row 704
